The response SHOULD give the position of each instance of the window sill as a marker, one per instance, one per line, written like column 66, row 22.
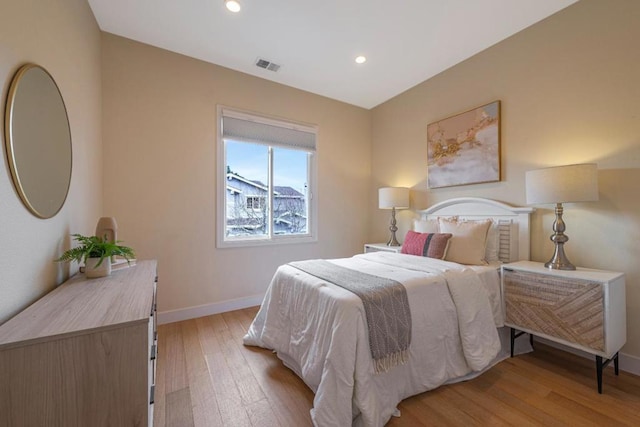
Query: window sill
column 280, row 240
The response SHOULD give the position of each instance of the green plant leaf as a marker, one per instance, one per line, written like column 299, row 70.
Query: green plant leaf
column 95, row 247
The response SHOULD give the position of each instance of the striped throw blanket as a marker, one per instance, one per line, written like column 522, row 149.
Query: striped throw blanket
column 386, row 309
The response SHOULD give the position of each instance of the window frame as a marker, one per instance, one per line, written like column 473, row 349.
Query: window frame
column 221, row 178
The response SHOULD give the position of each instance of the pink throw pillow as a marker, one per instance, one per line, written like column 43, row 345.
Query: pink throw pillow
column 432, row 245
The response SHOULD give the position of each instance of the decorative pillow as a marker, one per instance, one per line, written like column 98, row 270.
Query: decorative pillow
column 426, row 226
column 469, row 240
column 432, row 245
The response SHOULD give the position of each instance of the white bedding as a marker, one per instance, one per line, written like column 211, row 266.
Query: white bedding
column 318, row 330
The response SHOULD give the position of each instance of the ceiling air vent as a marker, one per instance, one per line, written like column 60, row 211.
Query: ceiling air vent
column 267, row 65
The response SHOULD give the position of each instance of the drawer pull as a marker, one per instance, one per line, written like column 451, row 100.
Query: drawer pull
column 154, row 350
column 152, row 392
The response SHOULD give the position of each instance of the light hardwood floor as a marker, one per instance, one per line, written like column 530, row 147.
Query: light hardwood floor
column 206, row 377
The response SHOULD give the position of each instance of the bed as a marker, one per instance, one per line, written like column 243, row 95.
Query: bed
column 319, row 329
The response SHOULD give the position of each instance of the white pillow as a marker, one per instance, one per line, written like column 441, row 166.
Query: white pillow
column 469, row 241
column 429, row 225
column 426, row 226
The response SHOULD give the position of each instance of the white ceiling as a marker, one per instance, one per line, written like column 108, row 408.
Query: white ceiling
column 316, row 41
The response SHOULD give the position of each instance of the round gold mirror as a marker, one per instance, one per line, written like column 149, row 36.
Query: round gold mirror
column 38, row 141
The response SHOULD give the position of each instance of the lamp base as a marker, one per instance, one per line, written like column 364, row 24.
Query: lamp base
column 392, row 228
column 559, row 260
column 559, row 263
column 393, row 241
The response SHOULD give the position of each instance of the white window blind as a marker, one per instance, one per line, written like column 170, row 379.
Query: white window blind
column 243, row 128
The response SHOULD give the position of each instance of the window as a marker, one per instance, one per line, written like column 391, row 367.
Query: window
column 265, row 180
column 256, row 203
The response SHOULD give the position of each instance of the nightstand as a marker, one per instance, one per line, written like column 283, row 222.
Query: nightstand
column 377, row 247
column 584, row 309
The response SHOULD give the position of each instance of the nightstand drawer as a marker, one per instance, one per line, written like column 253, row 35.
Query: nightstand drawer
column 569, row 309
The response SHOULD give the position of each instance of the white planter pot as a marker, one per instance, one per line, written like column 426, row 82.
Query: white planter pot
column 102, row 270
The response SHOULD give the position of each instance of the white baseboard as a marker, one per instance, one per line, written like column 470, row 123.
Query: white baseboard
column 208, row 309
column 627, row 362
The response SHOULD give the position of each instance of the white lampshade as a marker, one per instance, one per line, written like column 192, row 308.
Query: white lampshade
column 562, row 184
column 393, row 197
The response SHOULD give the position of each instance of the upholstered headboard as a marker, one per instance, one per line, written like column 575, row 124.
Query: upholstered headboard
column 513, row 222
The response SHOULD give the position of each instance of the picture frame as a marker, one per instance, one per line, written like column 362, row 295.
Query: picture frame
column 465, row 148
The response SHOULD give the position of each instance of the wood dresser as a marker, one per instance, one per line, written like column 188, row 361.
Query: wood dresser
column 84, row 354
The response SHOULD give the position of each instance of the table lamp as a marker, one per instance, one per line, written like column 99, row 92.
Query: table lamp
column 393, row 198
column 558, row 185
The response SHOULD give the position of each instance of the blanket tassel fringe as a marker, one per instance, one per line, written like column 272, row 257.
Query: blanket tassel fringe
column 387, row 362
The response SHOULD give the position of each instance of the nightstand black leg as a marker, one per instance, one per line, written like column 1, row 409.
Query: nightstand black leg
column 599, row 372
column 531, row 340
column 515, row 335
column 513, row 339
column 600, row 365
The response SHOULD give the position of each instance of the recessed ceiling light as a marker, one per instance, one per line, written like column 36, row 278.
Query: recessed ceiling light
column 232, row 5
column 361, row 59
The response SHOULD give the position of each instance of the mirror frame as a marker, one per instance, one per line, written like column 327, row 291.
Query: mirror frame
column 10, row 141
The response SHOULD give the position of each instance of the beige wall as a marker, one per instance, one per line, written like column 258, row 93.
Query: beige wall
column 159, row 120
column 63, row 37
column 570, row 92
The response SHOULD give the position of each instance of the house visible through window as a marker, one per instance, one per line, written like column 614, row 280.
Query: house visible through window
column 265, row 191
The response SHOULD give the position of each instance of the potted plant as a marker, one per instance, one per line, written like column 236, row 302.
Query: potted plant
column 96, row 252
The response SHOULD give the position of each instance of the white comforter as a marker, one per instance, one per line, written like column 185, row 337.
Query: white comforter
column 319, row 330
